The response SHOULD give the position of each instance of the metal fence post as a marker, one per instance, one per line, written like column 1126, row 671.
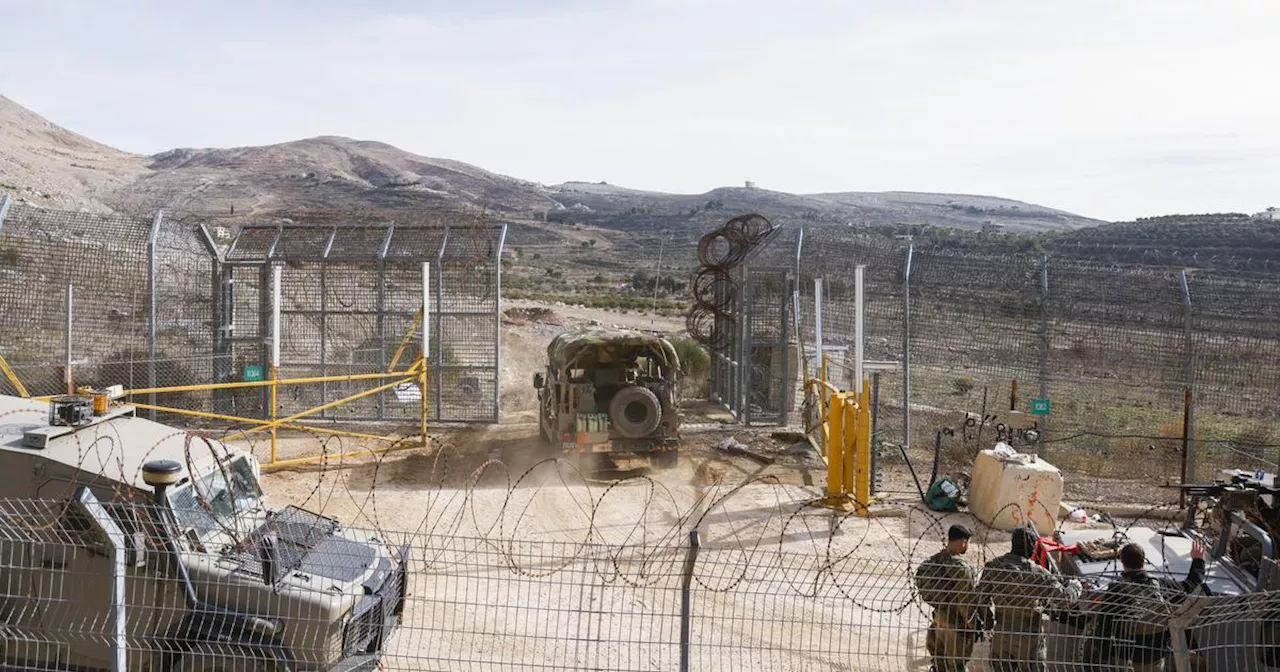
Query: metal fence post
column 817, row 327
column 742, row 349
column 1188, row 407
column 875, row 415
column 497, row 323
column 438, row 383
column 686, row 597
column 787, row 387
column 68, row 375
column 906, row 347
column 1194, row 604
column 4, row 208
column 151, row 307
column 380, row 322
column 89, row 506
column 1043, row 421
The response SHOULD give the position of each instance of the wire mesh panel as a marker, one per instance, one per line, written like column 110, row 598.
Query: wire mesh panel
column 351, row 304
column 771, row 610
column 742, row 314
column 527, row 604
column 1235, row 345
column 209, row 576
column 185, row 288
column 1124, row 359
column 104, row 259
column 158, row 304
column 771, row 361
column 1117, row 374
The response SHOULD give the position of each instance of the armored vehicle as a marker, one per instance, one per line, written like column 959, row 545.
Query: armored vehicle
column 1235, row 519
column 610, row 390
column 128, row 544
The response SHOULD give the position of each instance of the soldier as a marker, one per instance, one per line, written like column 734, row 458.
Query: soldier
column 1021, row 591
column 949, row 585
column 1136, row 610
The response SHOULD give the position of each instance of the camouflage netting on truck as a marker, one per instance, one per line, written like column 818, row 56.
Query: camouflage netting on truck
column 567, row 347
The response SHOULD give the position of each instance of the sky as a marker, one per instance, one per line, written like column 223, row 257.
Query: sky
column 1108, row 109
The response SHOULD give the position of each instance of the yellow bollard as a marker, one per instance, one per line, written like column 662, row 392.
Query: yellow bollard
column 862, row 478
column 422, row 383
column 835, row 445
column 849, row 450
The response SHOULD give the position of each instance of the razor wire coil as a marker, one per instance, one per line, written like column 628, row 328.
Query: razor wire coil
column 712, row 318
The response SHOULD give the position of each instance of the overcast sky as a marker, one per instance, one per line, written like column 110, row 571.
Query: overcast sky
column 1111, row 109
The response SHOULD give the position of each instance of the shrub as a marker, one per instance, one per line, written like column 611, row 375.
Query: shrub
column 1170, row 441
column 11, row 255
column 695, row 364
column 963, row 385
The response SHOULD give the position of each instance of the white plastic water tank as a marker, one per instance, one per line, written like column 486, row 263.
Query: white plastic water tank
column 1008, row 488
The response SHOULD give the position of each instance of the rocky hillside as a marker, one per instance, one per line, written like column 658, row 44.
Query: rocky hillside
column 47, row 165
column 614, row 207
column 50, row 166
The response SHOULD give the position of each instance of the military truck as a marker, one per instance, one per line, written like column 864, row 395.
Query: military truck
column 206, row 576
column 610, row 391
column 1236, row 519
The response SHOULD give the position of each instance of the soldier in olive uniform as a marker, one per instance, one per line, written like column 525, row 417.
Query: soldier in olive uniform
column 1136, row 610
column 949, row 585
column 1021, row 591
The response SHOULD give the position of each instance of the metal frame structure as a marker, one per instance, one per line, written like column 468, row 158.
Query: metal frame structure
column 349, row 292
column 751, row 376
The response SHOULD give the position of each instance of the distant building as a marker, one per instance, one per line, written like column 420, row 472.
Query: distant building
column 1269, row 213
column 751, row 185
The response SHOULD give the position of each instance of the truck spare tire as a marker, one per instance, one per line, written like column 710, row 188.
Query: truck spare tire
column 635, row 412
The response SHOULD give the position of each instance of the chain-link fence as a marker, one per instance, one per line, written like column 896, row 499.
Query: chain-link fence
column 742, row 312
column 161, row 301
column 107, row 585
column 1127, row 360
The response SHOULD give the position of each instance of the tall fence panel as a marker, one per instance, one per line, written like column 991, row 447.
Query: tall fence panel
column 1234, row 351
column 742, row 312
column 187, row 300
column 1117, row 363
column 1139, row 364
column 104, row 259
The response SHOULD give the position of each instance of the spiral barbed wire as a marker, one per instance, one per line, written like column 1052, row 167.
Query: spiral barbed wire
column 712, row 318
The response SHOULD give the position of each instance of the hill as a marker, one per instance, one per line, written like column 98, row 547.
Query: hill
column 1222, row 241
column 50, row 166
column 628, row 209
column 53, row 167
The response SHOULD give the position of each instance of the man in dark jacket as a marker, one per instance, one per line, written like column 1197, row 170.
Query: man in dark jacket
column 1022, row 591
column 1133, row 623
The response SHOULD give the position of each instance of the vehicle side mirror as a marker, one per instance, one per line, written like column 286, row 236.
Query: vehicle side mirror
column 538, row 381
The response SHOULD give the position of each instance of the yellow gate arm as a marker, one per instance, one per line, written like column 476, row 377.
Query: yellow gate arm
column 413, row 327
column 13, row 379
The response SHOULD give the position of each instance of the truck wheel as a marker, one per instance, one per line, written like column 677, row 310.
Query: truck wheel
column 635, row 412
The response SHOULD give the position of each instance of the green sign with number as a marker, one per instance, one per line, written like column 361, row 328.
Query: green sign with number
column 1039, row 407
column 252, row 374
